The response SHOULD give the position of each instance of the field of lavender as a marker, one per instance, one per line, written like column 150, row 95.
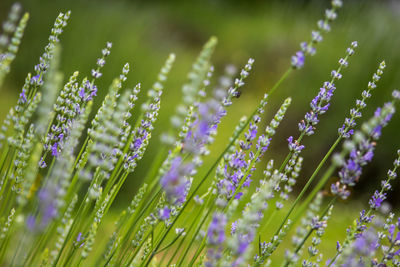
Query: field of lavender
column 107, row 162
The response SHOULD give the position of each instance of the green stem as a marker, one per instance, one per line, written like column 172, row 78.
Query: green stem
column 270, row 218
column 278, row 83
column 4, row 157
column 130, row 259
column 4, row 243
column 314, row 192
column 134, row 222
column 20, row 244
column 198, row 252
column 334, row 258
column 78, row 157
column 171, row 258
column 169, row 245
column 4, row 186
column 180, row 262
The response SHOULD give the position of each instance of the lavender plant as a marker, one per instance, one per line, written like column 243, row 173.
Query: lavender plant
column 63, row 163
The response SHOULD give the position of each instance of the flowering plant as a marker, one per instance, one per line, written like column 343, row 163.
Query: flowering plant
column 60, row 174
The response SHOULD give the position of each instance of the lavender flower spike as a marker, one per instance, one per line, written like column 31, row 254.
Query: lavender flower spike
column 142, row 133
column 347, row 128
column 174, row 181
column 192, row 88
column 379, row 196
column 12, row 45
column 320, row 104
column 9, row 26
column 309, row 48
column 361, row 150
column 246, row 227
column 216, row 238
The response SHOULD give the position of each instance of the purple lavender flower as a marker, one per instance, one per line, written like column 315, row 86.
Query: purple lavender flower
column 294, row 146
column 233, row 174
column 82, row 92
column 338, row 246
column 22, row 96
column 263, row 143
column 250, row 135
column 377, row 199
column 340, row 190
column 319, row 105
column 87, row 91
column 237, row 165
column 368, row 240
column 362, row 221
column 79, row 242
column 233, row 227
column 174, row 182
column 165, row 213
column 363, row 249
column 396, row 94
column 393, row 237
column 391, row 253
column 42, row 163
column 298, row 60
column 36, row 80
column 352, row 169
column 346, row 134
column 240, row 164
column 48, row 209
column 309, row 48
column 363, row 152
column 209, row 116
column 96, row 74
column 215, row 238
column 216, row 230
column 31, row 222
column 54, row 150
column 346, row 130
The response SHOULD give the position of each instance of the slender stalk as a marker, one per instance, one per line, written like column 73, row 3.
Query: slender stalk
column 317, row 188
column 6, row 178
column 4, row 243
column 278, row 83
column 198, row 252
column 200, row 225
column 182, row 241
column 20, row 243
column 4, row 156
column 270, row 218
column 170, row 244
column 84, row 145
column 286, row 262
column 334, row 259
column 135, row 222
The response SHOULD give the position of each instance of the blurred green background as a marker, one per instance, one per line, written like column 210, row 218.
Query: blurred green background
column 145, row 32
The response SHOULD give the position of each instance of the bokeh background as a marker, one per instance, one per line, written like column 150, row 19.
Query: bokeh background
column 145, row 32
